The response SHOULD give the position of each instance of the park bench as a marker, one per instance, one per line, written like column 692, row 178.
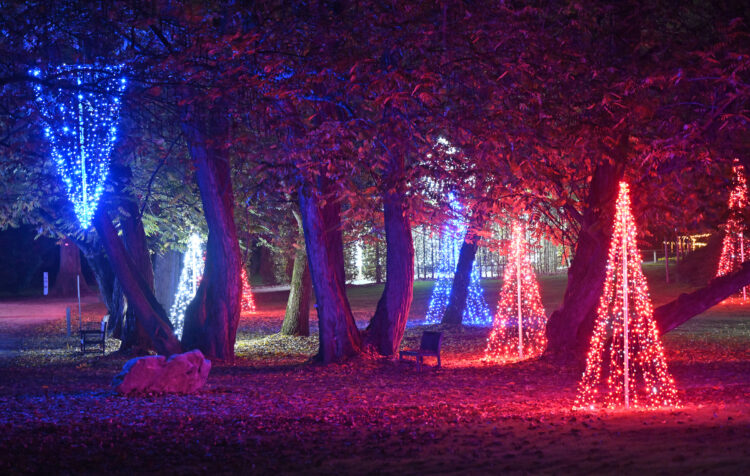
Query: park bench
column 94, row 337
column 429, row 345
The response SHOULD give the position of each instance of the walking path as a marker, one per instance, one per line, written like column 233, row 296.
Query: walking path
column 15, row 314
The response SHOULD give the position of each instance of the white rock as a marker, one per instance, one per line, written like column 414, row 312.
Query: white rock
column 181, row 373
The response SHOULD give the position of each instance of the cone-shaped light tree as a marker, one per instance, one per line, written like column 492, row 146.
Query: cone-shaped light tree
column 192, row 272
column 518, row 329
column 476, row 311
column 734, row 244
column 626, row 366
column 248, row 301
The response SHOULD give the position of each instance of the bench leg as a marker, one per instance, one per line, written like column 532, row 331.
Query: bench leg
column 438, row 357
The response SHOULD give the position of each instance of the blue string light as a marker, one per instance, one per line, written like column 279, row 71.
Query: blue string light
column 476, row 311
column 81, row 117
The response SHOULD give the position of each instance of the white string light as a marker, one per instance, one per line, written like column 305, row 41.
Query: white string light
column 190, row 278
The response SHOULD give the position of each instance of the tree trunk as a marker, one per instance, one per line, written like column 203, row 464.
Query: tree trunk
column 454, row 311
column 569, row 328
column 386, row 328
column 212, row 317
column 137, row 290
column 135, row 338
column 297, row 316
column 70, row 268
column 167, row 266
column 109, row 288
column 687, row 306
column 339, row 336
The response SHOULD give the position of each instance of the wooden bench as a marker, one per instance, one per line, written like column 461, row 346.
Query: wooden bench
column 95, row 336
column 428, row 346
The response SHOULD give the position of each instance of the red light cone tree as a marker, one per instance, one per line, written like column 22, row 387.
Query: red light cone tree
column 633, row 373
column 734, row 244
column 518, row 329
column 248, row 302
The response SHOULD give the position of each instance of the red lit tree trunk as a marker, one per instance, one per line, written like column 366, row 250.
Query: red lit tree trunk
column 687, row 306
column 152, row 316
column 454, row 311
column 386, row 328
column 569, row 328
column 70, row 268
column 339, row 336
column 297, row 316
column 212, row 317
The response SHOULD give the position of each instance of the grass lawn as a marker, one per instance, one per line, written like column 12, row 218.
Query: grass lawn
column 274, row 411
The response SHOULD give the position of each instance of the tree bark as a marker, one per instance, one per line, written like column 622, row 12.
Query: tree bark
column 297, row 316
column 167, row 266
column 339, row 336
column 689, row 305
column 454, row 311
column 136, row 289
column 70, row 267
column 212, row 317
column 109, row 289
column 386, row 328
column 569, row 328
column 134, row 337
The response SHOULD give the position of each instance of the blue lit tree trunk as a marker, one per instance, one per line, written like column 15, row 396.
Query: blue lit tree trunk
column 153, row 318
column 454, row 311
column 386, row 328
column 339, row 336
column 212, row 318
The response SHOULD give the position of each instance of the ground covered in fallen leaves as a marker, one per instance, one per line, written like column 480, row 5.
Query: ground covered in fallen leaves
column 273, row 411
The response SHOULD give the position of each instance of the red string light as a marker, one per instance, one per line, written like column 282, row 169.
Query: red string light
column 518, row 329
column 735, row 244
column 248, row 302
column 634, row 372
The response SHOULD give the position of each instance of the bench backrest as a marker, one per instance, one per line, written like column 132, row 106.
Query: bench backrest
column 431, row 340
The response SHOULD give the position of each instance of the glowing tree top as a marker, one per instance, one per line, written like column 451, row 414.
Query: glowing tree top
column 633, row 373
column 190, row 278
column 734, row 243
column 519, row 327
column 82, row 116
column 248, row 302
column 476, row 311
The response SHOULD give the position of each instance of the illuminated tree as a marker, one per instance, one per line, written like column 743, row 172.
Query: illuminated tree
column 476, row 311
column 634, row 373
column 518, row 330
column 190, row 278
column 733, row 246
column 248, row 302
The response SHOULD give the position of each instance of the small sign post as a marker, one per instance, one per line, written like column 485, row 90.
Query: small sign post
column 78, row 283
column 46, row 283
column 67, row 319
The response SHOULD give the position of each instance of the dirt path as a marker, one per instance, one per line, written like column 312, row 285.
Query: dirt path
column 19, row 314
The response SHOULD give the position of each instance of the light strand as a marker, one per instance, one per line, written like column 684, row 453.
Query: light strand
column 190, row 277
column 82, row 116
column 734, row 244
column 519, row 327
column 649, row 383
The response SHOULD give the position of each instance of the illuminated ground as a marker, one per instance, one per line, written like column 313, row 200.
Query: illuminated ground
column 274, row 411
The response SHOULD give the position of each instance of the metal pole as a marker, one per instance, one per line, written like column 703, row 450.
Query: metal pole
column 518, row 285
column 78, row 284
column 654, row 256
column 666, row 260
column 742, row 258
column 625, row 311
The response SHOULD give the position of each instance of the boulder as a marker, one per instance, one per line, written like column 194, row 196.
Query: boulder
column 180, row 373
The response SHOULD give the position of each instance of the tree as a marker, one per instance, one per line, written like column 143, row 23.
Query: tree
column 734, row 243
